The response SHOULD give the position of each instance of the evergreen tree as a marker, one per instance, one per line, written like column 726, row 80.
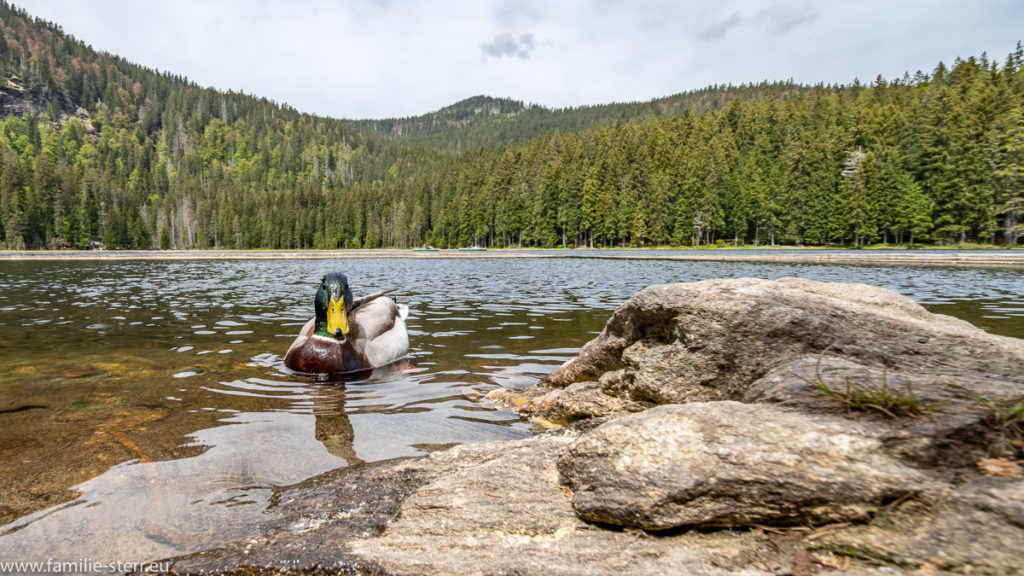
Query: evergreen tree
column 1006, row 154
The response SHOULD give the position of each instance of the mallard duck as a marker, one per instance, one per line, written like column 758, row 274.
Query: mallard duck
column 349, row 334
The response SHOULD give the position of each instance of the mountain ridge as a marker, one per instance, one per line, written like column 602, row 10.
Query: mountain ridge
column 37, row 94
column 488, row 120
column 506, row 120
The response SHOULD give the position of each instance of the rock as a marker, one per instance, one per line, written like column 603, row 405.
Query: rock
column 711, row 340
column 80, row 371
column 505, row 487
column 561, row 406
column 308, row 526
column 17, row 100
column 495, row 508
column 732, row 464
column 940, row 414
column 1002, row 497
column 973, row 529
column 500, row 508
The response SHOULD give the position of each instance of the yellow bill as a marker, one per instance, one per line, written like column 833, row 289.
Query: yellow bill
column 337, row 319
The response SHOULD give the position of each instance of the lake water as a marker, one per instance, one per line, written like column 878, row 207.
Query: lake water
column 145, row 411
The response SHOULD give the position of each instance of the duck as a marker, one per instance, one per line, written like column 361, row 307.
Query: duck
column 349, row 334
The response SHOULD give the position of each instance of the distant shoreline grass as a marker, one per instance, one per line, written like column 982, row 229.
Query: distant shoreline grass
column 874, row 255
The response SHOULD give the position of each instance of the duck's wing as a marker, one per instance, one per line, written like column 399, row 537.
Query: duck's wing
column 382, row 334
column 364, row 299
column 375, row 317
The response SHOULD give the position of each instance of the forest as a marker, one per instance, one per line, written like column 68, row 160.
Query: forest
column 97, row 152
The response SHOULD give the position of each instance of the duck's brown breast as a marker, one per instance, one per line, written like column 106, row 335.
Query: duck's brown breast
column 322, row 355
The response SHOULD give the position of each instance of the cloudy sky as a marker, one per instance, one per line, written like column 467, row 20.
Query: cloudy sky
column 387, row 58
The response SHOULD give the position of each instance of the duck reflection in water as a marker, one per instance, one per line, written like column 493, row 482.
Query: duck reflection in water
column 333, row 427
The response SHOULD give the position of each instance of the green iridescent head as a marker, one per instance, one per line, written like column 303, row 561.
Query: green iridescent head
column 333, row 303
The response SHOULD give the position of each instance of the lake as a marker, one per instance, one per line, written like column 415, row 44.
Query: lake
column 145, row 411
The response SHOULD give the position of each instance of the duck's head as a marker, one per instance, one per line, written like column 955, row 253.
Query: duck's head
column 333, row 303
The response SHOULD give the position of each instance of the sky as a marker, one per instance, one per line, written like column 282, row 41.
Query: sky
column 396, row 58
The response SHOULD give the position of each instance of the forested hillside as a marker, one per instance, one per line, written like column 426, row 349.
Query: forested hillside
column 482, row 122
column 95, row 150
column 937, row 157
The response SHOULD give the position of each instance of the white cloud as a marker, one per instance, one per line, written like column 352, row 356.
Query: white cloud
column 506, row 45
column 719, row 29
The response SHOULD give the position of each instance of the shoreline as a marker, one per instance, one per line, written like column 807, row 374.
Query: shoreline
column 960, row 258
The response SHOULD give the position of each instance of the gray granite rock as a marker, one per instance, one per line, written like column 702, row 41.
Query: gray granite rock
column 711, row 340
column 732, row 464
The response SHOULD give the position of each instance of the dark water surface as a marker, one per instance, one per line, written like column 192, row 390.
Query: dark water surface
column 145, row 412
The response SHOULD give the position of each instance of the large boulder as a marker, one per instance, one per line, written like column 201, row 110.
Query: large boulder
column 712, row 340
column 732, row 464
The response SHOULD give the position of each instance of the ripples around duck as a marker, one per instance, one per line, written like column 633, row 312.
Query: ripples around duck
column 146, row 412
